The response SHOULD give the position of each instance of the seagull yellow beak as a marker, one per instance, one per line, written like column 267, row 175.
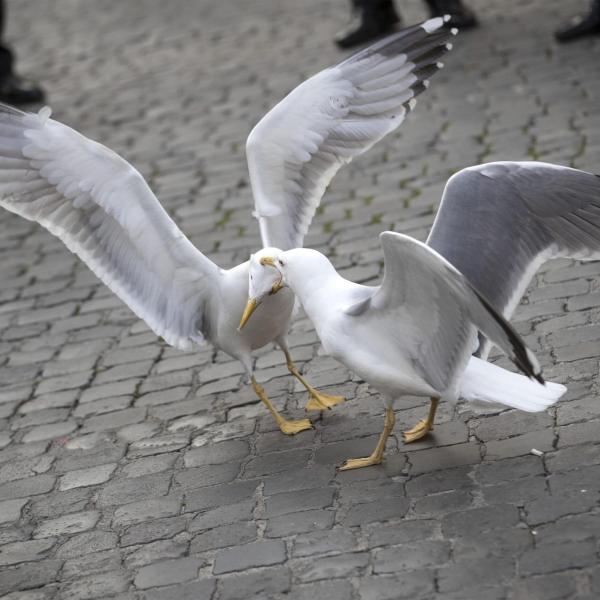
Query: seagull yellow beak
column 267, row 260
column 250, row 308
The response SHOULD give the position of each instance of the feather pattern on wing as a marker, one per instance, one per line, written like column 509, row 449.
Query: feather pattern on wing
column 103, row 210
column 297, row 148
column 433, row 311
column 520, row 214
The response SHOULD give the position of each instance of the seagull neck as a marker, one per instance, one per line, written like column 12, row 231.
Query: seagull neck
column 310, row 275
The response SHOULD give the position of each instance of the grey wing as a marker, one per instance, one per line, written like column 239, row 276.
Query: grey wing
column 103, row 211
column 498, row 222
column 433, row 312
column 339, row 113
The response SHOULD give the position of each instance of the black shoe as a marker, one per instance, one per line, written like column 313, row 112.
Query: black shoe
column 17, row 90
column 372, row 19
column 461, row 16
column 583, row 26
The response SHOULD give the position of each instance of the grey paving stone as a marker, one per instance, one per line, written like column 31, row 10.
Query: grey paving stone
column 168, row 572
column 96, row 586
column 291, row 502
column 332, row 567
column 134, row 489
column 10, row 510
column 159, row 550
column 358, row 514
column 56, row 504
column 49, row 432
column 150, row 531
column 85, row 477
column 299, row 522
column 548, row 559
column 255, row 554
column 96, row 450
column 145, row 510
column 88, row 564
column 31, row 486
column 27, row 551
column 412, row 556
column 199, row 477
column 89, row 541
column 28, row 576
column 215, row 454
column 73, row 523
column 408, row 585
column 443, row 458
column 223, row 536
column 260, row 583
column 480, row 519
column 222, row 515
column 462, row 576
column 194, row 590
column 220, row 495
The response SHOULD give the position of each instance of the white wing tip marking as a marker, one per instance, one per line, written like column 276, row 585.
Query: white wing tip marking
column 454, row 31
column 432, row 24
column 44, row 114
column 449, row 46
column 439, row 65
column 412, row 103
column 426, row 83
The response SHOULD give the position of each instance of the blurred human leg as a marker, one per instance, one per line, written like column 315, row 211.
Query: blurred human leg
column 13, row 88
column 371, row 19
column 581, row 26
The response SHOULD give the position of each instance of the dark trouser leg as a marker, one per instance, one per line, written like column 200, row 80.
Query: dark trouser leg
column 6, row 56
column 372, row 19
column 581, row 26
column 461, row 16
column 14, row 89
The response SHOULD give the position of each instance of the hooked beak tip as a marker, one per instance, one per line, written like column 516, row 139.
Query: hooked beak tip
column 251, row 306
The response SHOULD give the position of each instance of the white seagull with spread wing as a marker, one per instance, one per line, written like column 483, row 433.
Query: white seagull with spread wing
column 104, row 211
column 416, row 332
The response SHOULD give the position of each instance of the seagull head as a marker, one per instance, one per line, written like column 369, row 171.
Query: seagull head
column 266, row 277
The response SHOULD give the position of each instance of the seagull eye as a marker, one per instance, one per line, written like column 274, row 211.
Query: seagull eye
column 281, row 263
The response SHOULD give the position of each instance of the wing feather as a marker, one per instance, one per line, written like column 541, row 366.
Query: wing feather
column 297, row 148
column 434, row 313
column 103, row 210
column 520, row 214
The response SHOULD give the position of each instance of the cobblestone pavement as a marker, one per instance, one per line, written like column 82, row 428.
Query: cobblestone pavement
column 130, row 470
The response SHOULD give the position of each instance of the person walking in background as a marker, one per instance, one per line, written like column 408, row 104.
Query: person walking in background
column 375, row 18
column 14, row 89
column 581, row 26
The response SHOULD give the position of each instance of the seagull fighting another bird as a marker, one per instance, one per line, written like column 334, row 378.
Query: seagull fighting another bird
column 104, row 211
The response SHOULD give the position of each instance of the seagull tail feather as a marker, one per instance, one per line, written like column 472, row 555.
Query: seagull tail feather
column 482, row 381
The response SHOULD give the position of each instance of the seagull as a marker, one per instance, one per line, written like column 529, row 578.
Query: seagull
column 413, row 334
column 105, row 212
column 427, row 329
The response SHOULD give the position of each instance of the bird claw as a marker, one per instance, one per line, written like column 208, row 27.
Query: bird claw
column 419, row 431
column 293, row 427
column 319, row 401
column 359, row 463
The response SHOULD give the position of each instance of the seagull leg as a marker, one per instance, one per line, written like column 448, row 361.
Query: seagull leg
column 288, row 427
column 317, row 400
column 377, row 456
column 423, row 427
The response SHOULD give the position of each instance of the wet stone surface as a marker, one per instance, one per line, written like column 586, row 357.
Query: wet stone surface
column 132, row 471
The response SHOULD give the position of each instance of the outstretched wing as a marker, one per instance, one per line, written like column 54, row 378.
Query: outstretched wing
column 519, row 215
column 433, row 312
column 103, row 210
column 299, row 145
